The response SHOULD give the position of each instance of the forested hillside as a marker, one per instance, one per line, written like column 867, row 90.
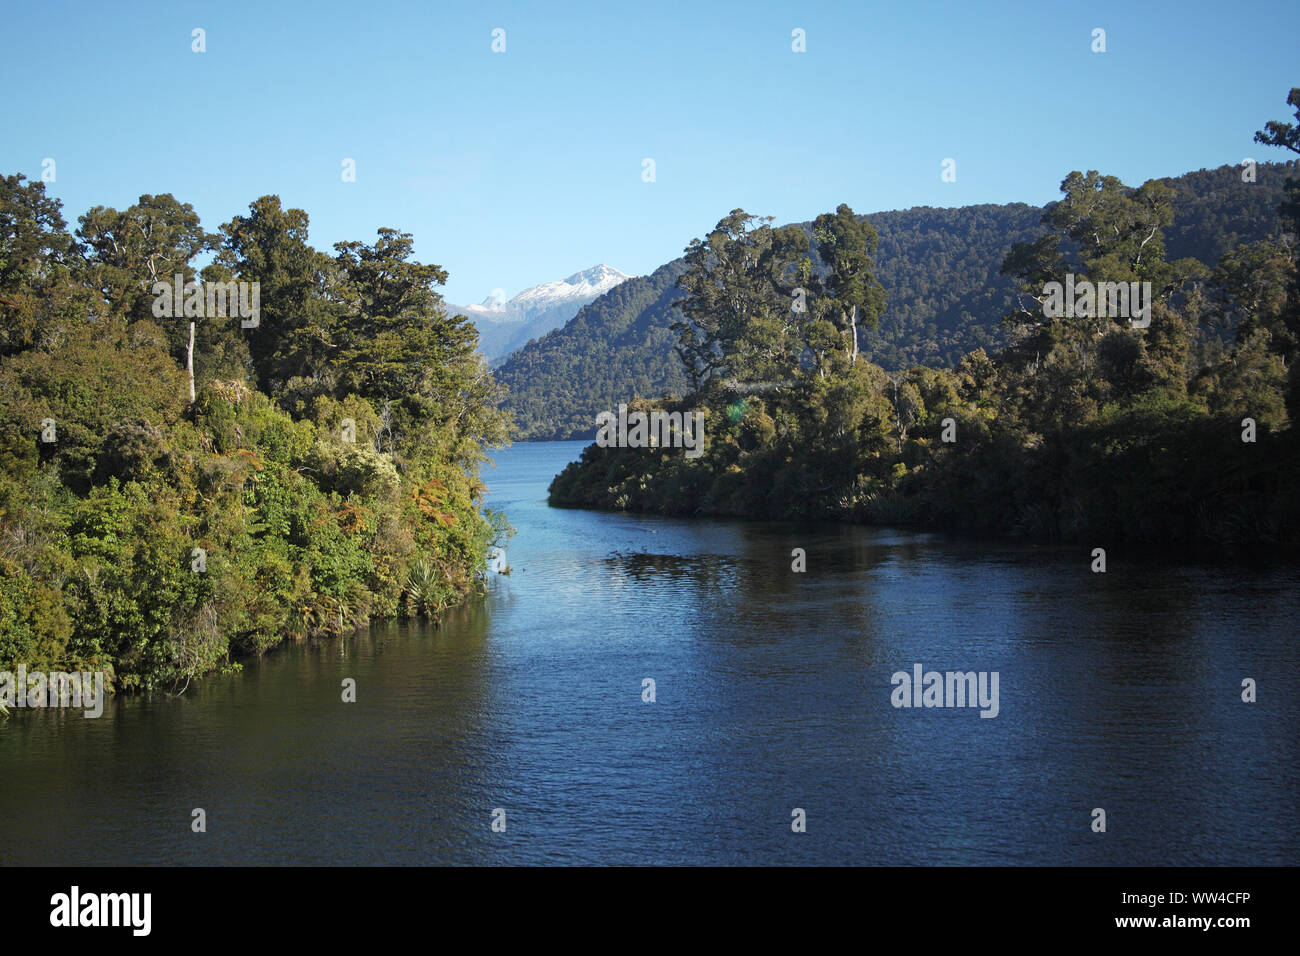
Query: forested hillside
column 621, row 344
column 1165, row 420
column 940, row 271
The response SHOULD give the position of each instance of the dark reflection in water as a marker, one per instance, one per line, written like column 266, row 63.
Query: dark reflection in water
column 1119, row 691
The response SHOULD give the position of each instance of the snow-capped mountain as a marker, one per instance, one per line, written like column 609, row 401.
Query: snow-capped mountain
column 504, row 326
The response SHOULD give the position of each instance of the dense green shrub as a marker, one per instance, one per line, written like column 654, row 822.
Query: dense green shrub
column 158, row 538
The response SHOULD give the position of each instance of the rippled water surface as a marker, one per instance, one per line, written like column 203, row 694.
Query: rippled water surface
column 1120, row 691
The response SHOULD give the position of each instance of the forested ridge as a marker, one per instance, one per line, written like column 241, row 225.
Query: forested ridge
column 183, row 482
column 940, row 271
column 1170, row 425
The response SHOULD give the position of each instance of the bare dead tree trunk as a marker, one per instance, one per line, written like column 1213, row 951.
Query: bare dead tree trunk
column 189, row 362
column 853, row 330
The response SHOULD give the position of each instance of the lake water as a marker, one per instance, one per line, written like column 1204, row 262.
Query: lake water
column 1119, row 691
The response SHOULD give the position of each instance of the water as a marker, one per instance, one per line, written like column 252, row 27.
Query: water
column 1120, row 691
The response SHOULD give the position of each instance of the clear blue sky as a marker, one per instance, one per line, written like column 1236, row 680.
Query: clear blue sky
column 515, row 168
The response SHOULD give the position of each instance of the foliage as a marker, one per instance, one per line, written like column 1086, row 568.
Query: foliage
column 158, row 538
column 1080, row 428
column 939, row 270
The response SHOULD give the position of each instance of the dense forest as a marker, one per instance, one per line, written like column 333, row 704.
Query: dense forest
column 1170, row 428
column 940, row 271
column 183, row 482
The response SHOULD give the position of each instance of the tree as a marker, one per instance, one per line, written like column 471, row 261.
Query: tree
column 398, row 348
column 1287, row 136
column 38, row 299
column 128, row 251
column 846, row 244
column 1101, row 232
column 737, row 311
column 295, row 337
column 1250, row 283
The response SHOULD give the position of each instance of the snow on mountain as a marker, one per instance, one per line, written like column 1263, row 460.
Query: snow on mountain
column 504, row 326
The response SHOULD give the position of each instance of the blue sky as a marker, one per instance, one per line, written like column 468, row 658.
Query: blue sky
column 518, row 167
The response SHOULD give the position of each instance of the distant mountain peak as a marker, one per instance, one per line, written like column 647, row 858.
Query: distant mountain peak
column 506, row 325
column 597, row 275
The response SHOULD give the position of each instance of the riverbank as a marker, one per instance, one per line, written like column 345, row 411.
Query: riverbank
column 1154, row 479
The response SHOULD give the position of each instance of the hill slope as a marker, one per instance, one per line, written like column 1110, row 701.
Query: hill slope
column 939, row 268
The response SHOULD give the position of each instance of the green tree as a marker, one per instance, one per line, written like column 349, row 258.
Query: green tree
column 1287, row 136
column 846, row 244
column 128, row 251
column 38, row 299
column 295, row 337
column 737, row 315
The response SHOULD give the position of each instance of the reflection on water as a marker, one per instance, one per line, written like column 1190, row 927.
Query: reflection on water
column 1119, row 691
